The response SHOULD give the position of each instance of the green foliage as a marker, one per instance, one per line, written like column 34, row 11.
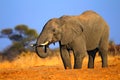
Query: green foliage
column 21, row 33
column 7, row 31
column 26, row 33
column 20, row 36
column 21, row 28
column 31, row 32
column 17, row 46
column 15, row 37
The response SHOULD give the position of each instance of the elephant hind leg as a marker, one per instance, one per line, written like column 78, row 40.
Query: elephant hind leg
column 103, row 54
column 103, row 49
column 91, row 55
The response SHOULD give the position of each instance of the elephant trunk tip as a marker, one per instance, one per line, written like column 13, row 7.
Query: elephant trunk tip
column 33, row 45
column 41, row 53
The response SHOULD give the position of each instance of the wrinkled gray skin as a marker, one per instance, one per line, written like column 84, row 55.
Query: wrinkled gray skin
column 83, row 34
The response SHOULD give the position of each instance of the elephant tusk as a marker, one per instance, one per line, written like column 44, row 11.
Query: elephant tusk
column 44, row 44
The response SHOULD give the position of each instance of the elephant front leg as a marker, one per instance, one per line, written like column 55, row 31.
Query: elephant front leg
column 65, row 57
column 79, row 52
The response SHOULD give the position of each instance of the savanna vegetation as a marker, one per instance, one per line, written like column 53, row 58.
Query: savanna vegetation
column 21, row 37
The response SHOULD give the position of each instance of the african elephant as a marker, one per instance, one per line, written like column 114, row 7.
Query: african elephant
column 85, row 33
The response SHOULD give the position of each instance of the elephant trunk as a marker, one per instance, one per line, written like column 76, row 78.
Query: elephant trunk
column 42, row 44
column 40, row 52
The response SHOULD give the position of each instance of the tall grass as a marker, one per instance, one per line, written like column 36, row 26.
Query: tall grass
column 29, row 59
column 26, row 60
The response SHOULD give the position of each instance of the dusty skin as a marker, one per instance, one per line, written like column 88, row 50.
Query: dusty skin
column 31, row 67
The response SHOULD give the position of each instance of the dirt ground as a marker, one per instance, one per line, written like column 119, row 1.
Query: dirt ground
column 34, row 68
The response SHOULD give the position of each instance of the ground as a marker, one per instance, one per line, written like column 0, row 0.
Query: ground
column 34, row 68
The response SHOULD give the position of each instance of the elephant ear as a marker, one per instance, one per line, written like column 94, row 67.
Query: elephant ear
column 71, row 29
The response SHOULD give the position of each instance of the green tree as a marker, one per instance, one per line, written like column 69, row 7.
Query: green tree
column 6, row 32
column 21, row 28
column 20, row 37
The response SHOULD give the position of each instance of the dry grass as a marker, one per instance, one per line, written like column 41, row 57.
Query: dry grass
column 30, row 67
column 26, row 60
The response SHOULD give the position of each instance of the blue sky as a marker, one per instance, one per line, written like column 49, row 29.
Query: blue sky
column 35, row 13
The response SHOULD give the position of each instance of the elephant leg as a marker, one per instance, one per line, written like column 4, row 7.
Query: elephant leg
column 91, row 55
column 78, row 59
column 103, row 49
column 103, row 54
column 79, row 51
column 65, row 57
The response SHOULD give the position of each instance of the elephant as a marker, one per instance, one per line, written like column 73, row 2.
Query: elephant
column 83, row 34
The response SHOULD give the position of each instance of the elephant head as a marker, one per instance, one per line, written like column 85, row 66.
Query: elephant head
column 63, row 29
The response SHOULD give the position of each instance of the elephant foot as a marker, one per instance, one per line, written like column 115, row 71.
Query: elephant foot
column 68, row 68
column 90, row 66
column 77, row 66
column 104, row 66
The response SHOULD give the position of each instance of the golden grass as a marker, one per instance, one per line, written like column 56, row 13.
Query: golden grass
column 29, row 60
column 26, row 60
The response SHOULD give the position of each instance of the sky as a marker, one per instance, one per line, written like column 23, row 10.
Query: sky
column 35, row 13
